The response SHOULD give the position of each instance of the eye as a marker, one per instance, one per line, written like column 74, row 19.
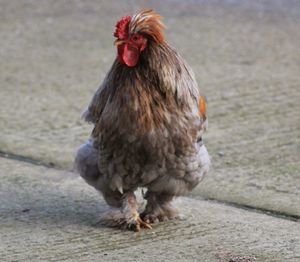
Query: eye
column 135, row 38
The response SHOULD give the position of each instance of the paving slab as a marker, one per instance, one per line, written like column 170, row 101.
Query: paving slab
column 246, row 58
column 50, row 215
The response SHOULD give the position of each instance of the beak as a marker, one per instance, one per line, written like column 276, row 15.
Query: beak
column 119, row 42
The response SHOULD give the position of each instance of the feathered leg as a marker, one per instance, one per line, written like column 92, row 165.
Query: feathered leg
column 123, row 212
column 159, row 208
column 126, row 216
column 86, row 163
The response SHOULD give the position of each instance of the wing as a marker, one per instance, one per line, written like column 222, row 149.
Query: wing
column 93, row 112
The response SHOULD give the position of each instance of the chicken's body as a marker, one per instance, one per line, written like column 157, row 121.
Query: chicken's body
column 148, row 133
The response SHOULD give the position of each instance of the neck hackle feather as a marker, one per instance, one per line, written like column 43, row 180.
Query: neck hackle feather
column 146, row 22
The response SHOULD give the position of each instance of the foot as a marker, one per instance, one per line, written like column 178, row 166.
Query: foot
column 159, row 215
column 125, row 220
column 126, row 217
column 159, row 208
column 137, row 223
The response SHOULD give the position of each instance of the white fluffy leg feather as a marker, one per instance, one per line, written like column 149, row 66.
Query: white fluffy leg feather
column 126, row 217
column 118, row 218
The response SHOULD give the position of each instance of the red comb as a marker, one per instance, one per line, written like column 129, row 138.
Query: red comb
column 122, row 27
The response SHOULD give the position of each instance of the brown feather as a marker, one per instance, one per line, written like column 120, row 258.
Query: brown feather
column 202, row 108
column 146, row 113
column 149, row 23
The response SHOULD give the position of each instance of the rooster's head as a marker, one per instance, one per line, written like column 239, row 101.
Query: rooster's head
column 133, row 34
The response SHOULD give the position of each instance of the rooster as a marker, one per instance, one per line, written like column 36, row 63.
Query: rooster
column 148, row 121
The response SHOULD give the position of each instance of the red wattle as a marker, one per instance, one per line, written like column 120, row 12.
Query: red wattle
column 130, row 55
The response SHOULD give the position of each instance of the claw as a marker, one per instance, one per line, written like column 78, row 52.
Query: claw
column 144, row 224
column 139, row 223
column 120, row 189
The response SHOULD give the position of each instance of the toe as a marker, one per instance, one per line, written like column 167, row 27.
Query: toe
column 162, row 218
column 144, row 224
column 150, row 219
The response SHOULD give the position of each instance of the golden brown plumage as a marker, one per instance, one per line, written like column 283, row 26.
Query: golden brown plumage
column 148, row 121
column 149, row 23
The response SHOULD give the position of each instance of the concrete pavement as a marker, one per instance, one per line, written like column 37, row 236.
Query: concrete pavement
column 50, row 215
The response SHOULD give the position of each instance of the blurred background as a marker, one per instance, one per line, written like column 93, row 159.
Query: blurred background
column 246, row 57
